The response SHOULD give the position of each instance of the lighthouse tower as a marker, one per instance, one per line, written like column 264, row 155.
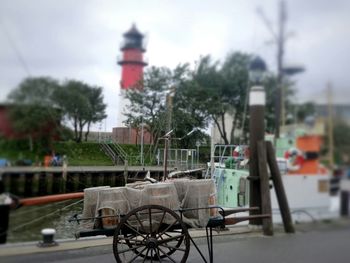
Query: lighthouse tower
column 132, row 59
column 132, row 63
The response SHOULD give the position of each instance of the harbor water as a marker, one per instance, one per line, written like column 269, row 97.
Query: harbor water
column 26, row 223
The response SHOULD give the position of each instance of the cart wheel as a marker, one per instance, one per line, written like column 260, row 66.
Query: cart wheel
column 149, row 233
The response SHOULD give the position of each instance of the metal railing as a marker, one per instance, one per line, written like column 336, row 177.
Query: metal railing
column 183, row 159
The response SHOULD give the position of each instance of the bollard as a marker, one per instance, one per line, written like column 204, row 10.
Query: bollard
column 5, row 203
column 344, row 203
column 48, row 238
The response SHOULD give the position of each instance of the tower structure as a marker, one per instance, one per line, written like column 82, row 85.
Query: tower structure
column 132, row 61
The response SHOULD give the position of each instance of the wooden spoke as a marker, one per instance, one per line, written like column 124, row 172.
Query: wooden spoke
column 133, row 239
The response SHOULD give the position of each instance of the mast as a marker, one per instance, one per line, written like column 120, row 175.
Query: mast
column 330, row 127
column 280, row 40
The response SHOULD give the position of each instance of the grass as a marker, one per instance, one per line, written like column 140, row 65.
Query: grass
column 82, row 153
column 78, row 154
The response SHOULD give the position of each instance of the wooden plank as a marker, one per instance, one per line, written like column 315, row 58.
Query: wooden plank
column 264, row 189
column 279, row 188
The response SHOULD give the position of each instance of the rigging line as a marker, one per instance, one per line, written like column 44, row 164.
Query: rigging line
column 19, row 56
column 15, row 48
column 18, row 213
column 44, row 216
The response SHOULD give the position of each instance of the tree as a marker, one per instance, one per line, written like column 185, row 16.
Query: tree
column 81, row 104
column 97, row 108
column 304, row 110
column 148, row 104
column 161, row 105
column 235, row 89
column 32, row 111
column 219, row 91
column 341, row 131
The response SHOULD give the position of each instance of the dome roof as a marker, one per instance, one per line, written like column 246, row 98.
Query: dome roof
column 133, row 31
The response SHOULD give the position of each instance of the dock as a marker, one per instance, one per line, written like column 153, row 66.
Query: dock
column 37, row 181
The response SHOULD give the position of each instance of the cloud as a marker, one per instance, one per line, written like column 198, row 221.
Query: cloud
column 80, row 39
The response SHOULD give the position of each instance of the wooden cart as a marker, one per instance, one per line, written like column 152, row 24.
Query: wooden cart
column 156, row 233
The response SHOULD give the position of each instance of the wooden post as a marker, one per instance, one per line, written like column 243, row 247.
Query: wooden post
column 42, row 184
column 344, row 203
column 279, row 188
column 107, row 178
column 70, row 183
column 256, row 133
column 94, row 179
column 265, row 189
column 56, row 183
column 2, row 184
column 125, row 172
column 14, row 183
column 28, row 184
column 82, row 181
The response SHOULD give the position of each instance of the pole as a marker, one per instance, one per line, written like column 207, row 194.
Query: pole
column 197, row 155
column 256, row 133
column 212, row 164
column 198, row 144
column 280, row 111
column 265, row 189
column 142, row 162
column 165, row 172
column 280, row 40
column 279, row 188
column 330, row 128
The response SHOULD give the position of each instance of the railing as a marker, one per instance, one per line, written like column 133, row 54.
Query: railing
column 117, row 154
column 109, row 152
column 222, row 152
column 183, row 159
column 143, row 61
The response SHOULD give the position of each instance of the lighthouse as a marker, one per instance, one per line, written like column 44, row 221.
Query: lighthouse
column 132, row 61
column 132, row 64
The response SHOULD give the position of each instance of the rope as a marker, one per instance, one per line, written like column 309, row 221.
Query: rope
column 39, row 208
column 45, row 216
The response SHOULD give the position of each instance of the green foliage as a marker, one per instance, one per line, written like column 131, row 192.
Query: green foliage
column 14, row 150
column 32, row 110
column 88, row 154
column 193, row 98
column 304, row 110
column 38, row 106
column 221, row 90
column 341, row 133
column 81, row 104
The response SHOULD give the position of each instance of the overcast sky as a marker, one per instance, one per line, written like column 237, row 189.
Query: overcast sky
column 80, row 39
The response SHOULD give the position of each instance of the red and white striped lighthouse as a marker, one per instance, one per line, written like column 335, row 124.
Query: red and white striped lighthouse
column 132, row 61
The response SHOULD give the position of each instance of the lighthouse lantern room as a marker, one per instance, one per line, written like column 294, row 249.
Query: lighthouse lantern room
column 132, row 61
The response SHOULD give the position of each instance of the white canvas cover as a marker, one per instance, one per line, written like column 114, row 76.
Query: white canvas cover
column 173, row 194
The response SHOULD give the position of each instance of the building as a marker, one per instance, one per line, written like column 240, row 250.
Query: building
column 6, row 129
column 341, row 112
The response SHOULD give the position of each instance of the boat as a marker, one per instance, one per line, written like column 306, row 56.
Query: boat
column 306, row 180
